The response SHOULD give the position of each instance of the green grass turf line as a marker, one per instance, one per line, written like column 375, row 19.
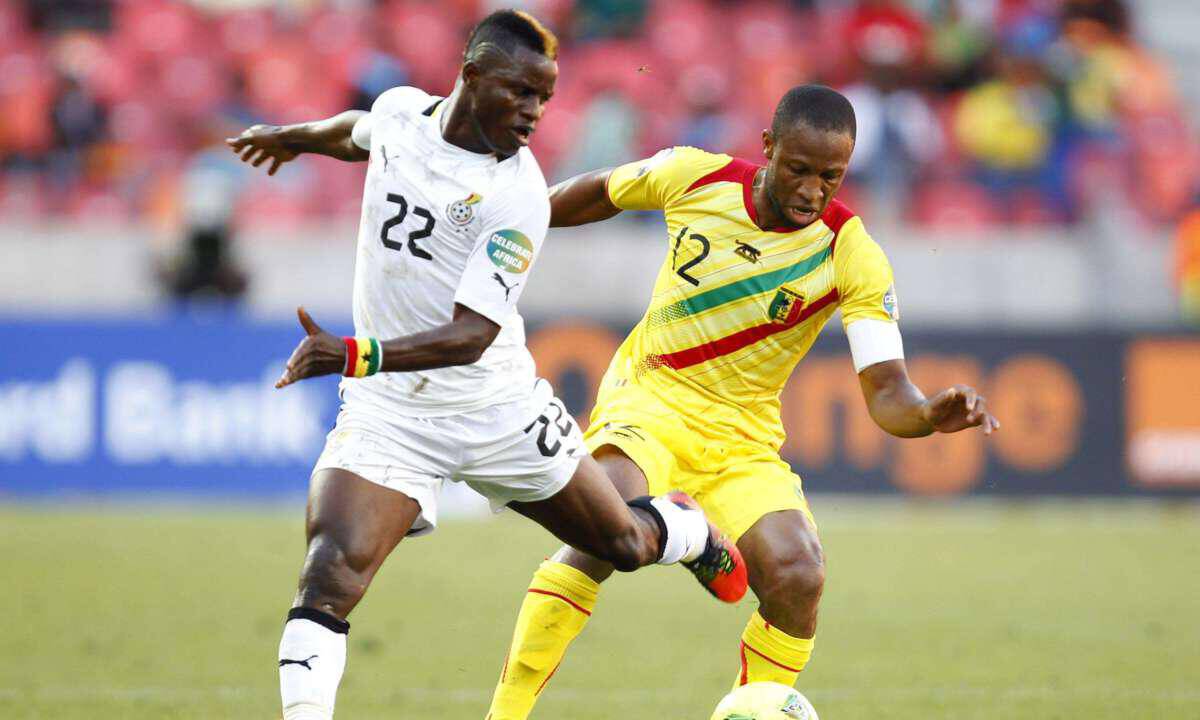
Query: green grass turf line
column 932, row 610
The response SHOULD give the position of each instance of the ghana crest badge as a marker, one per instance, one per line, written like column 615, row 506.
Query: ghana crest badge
column 462, row 211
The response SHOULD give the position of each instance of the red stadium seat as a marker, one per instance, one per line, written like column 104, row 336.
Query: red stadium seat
column 156, row 27
column 953, row 204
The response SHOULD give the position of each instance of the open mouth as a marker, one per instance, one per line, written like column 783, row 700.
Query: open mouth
column 522, row 133
column 803, row 215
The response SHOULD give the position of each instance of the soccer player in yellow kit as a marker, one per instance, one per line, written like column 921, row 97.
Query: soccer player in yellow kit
column 759, row 259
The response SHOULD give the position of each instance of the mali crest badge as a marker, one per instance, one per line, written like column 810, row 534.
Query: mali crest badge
column 785, row 307
column 462, row 211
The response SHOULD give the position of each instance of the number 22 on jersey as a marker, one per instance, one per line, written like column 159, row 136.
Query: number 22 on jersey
column 413, row 236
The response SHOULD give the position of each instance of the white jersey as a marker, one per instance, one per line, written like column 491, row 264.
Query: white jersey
column 442, row 225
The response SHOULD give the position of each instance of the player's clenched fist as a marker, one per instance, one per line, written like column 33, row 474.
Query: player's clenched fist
column 319, row 353
column 260, row 143
column 958, row 408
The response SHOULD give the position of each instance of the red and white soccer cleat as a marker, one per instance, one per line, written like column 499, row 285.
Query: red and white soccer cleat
column 720, row 568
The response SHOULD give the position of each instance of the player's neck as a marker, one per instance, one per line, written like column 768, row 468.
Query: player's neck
column 459, row 126
column 767, row 212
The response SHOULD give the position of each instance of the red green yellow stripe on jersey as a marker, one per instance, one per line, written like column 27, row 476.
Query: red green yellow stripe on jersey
column 743, row 338
column 737, row 290
column 797, row 311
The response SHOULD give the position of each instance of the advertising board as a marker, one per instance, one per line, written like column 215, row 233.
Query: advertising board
column 185, row 404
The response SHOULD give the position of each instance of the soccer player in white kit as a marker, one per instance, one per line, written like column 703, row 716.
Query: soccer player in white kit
column 439, row 382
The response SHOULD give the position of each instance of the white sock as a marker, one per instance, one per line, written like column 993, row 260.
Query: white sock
column 312, row 657
column 687, row 531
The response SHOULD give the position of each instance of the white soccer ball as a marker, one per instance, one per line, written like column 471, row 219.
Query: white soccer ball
column 764, row 701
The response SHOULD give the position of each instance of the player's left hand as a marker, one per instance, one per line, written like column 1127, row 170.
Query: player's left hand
column 958, row 408
column 319, row 353
column 259, row 143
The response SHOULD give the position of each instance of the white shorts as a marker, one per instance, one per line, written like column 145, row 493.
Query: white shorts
column 525, row 451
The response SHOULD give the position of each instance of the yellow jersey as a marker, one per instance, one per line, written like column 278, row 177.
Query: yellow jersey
column 736, row 307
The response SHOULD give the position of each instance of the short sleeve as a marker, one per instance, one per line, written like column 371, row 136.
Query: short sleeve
column 396, row 101
column 868, row 297
column 361, row 132
column 402, row 100
column 500, row 264
column 863, row 276
column 653, row 183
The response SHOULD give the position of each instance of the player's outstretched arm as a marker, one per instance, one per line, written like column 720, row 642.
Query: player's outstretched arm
column 282, row 143
column 581, row 200
column 899, row 407
column 459, row 342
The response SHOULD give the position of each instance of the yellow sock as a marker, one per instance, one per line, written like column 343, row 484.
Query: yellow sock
column 556, row 607
column 770, row 654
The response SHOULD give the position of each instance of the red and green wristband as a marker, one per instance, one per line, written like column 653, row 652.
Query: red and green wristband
column 364, row 356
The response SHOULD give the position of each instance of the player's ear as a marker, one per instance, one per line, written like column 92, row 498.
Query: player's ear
column 470, row 73
column 768, row 144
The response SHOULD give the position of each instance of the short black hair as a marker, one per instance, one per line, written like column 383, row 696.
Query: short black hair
column 509, row 30
column 818, row 107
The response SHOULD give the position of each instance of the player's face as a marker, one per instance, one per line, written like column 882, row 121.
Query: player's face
column 510, row 94
column 805, row 169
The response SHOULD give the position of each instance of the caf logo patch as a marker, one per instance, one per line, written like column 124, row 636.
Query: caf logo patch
column 889, row 303
column 462, row 211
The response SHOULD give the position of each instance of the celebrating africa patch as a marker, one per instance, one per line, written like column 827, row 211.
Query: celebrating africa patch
column 510, row 251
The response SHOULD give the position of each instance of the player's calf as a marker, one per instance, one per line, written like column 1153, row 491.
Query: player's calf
column 353, row 525
column 787, row 572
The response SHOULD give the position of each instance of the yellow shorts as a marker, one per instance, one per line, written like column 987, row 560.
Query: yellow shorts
column 735, row 482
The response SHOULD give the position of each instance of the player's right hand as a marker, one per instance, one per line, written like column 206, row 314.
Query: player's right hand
column 259, row 143
column 957, row 408
column 319, row 353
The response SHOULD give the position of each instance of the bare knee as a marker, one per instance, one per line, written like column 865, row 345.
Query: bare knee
column 792, row 581
column 336, row 573
column 800, row 579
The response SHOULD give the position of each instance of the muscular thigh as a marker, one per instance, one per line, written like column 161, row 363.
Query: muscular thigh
column 352, row 526
column 363, row 516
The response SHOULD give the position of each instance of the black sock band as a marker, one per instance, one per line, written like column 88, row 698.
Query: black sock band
column 643, row 503
column 321, row 618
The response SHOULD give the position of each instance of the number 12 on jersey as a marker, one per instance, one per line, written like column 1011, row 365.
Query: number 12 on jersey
column 682, row 271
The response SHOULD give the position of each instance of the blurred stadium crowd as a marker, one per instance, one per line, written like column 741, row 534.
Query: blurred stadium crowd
column 971, row 112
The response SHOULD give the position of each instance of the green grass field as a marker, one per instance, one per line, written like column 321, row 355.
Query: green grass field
column 962, row 610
